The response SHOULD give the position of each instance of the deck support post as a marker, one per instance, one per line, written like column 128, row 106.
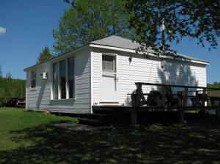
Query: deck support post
column 133, row 114
column 183, row 104
column 137, row 99
column 203, row 99
column 181, row 116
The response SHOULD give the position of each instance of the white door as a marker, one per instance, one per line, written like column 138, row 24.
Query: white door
column 109, row 82
column 109, row 88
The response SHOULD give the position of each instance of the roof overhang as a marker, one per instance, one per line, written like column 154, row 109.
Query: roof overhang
column 149, row 54
column 57, row 58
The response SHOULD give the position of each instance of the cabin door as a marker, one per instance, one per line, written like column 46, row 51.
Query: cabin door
column 109, row 79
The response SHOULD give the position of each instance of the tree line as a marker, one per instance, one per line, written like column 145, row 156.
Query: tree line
column 214, row 85
column 11, row 88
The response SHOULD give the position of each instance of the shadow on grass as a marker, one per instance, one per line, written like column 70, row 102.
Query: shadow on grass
column 196, row 142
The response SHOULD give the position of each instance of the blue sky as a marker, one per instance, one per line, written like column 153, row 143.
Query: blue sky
column 29, row 26
column 26, row 27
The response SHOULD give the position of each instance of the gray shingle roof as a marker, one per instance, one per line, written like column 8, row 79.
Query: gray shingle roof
column 117, row 41
column 120, row 42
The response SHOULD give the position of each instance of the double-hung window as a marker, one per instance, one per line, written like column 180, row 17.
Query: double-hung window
column 63, row 79
column 108, row 63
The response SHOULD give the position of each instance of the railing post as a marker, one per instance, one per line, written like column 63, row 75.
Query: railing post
column 183, row 105
column 136, row 104
column 203, row 99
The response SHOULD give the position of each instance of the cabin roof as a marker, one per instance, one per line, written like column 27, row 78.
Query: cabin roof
column 117, row 42
column 120, row 42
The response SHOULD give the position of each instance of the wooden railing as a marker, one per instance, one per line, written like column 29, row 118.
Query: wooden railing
column 164, row 98
column 198, row 95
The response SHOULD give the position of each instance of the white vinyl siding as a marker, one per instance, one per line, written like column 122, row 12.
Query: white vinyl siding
column 96, row 76
column 41, row 97
column 132, row 68
column 153, row 71
column 81, row 102
column 88, row 73
column 38, row 97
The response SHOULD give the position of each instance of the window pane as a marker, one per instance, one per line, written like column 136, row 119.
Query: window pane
column 33, row 79
column 71, row 77
column 55, row 81
column 63, row 79
column 108, row 63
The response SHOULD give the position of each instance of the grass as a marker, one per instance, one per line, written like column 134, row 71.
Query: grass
column 198, row 141
column 12, row 120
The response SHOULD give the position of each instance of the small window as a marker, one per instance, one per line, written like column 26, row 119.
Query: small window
column 108, row 63
column 33, row 79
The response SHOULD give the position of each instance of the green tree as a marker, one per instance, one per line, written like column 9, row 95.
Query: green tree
column 8, row 75
column 214, row 85
column 199, row 19
column 45, row 55
column 88, row 20
column 1, row 72
column 10, row 88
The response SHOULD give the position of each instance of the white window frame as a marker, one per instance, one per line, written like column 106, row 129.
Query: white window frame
column 59, row 81
column 115, row 63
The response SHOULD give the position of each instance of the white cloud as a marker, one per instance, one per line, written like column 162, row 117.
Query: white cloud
column 2, row 30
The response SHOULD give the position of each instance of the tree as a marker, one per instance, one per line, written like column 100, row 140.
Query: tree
column 88, row 20
column 1, row 72
column 45, row 55
column 214, row 85
column 8, row 75
column 160, row 22
column 10, row 88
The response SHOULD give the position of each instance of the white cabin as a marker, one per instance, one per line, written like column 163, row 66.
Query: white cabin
column 104, row 73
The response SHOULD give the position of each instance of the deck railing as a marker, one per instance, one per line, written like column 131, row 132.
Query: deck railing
column 198, row 96
column 173, row 97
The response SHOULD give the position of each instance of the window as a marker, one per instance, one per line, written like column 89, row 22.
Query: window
column 71, row 77
column 55, row 80
column 63, row 79
column 108, row 63
column 33, row 79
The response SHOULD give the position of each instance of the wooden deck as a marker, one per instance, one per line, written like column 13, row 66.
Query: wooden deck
column 165, row 100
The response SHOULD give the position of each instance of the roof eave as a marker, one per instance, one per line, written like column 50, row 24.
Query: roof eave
column 134, row 51
column 66, row 54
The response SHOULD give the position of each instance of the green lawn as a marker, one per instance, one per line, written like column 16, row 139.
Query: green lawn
column 30, row 137
column 13, row 120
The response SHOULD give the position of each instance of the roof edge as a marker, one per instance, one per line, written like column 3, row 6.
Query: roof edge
column 179, row 57
column 57, row 57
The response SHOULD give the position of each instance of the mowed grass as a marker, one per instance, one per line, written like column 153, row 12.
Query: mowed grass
column 14, row 119
column 30, row 137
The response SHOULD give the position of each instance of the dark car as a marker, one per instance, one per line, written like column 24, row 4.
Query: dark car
column 16, row 102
